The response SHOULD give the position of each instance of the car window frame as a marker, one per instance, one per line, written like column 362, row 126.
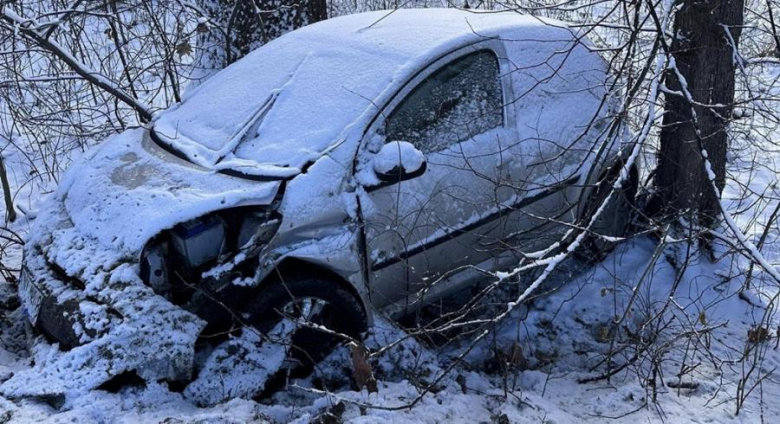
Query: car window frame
column 430, row 142
column 495, row 46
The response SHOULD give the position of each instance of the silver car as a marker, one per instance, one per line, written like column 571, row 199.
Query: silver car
column 374, row 162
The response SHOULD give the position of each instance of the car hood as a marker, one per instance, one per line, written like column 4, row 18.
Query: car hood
column 128, row 190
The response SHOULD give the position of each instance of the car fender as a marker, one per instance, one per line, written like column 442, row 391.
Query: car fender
column 337, row 253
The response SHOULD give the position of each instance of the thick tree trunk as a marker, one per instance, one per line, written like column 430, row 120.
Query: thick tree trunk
column 244, row 25
column 705, row 58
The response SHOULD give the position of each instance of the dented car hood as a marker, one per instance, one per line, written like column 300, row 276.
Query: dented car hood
column 129, row 189
column 93, row 227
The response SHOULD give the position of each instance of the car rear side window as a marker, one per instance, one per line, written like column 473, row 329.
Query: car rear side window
column 455, row 103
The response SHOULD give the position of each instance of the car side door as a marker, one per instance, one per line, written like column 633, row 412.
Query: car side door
column 421, row 229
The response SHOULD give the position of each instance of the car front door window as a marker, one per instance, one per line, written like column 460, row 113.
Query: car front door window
column 455, row 103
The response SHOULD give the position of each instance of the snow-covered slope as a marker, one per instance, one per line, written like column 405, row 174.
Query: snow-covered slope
column 562, row 336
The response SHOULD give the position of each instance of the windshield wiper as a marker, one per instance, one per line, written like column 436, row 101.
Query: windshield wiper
column 249, row 128
column 240, row 136
column 170, row 148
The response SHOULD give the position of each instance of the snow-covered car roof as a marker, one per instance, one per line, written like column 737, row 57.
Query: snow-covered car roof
column 288, row 102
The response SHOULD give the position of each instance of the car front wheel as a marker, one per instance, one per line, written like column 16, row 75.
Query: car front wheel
column 319, row 306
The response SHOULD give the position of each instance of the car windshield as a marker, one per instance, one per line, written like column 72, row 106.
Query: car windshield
column 276, row 110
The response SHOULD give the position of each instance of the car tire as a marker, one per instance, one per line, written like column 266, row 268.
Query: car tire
column 613, row 221
column 340, row 311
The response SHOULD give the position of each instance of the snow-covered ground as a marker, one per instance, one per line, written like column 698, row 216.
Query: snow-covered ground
column 563, row 335
column 550, row 347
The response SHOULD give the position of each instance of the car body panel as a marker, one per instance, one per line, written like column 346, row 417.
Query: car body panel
column 505, row 190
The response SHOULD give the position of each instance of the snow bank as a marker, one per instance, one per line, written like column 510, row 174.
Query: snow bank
column 240, row 367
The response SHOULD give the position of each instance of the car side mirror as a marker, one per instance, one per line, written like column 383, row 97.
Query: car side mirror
column 398, row 161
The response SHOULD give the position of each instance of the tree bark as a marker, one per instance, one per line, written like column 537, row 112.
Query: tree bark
column 704, row 57
column 244, row 25
column 10, row 213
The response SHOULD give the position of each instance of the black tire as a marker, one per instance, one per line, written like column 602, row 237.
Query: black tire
column 342, row 312
column 615, row 220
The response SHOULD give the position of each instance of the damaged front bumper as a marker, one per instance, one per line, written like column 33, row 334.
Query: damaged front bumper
column 56, row 320
column 107, row 325
column 81, row 284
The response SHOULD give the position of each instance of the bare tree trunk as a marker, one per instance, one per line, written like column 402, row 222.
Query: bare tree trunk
column 244, row 25
column 10, row 213
column 704, row 57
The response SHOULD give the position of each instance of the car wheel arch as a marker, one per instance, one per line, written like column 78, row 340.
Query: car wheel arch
column 295, row 267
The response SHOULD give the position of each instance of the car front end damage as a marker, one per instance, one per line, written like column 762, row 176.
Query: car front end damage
column 144, row 316
column 106, row 322
column 110, row 269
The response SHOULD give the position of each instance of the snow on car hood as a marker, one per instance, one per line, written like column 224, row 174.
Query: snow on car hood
column 285, row 104
column 281, row 121
column 129, row 190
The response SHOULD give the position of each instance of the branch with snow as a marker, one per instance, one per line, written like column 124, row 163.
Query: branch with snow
column 31, row 29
